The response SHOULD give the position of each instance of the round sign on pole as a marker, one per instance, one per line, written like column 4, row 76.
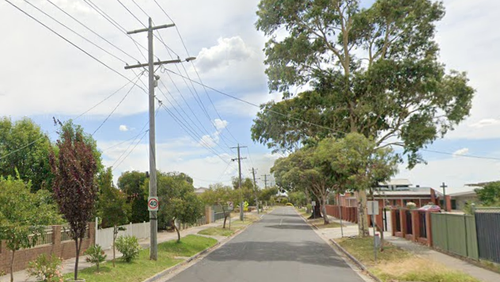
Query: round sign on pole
column 153, row 204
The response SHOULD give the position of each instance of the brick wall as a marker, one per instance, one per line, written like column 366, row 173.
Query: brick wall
column 62, row 249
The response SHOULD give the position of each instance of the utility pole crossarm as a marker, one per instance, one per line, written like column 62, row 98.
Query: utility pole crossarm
column 150, row 28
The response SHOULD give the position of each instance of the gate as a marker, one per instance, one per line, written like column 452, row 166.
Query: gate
column 488, row 228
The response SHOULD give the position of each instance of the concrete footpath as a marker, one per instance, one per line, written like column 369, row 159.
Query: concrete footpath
column 69, row 264
column 451, row 262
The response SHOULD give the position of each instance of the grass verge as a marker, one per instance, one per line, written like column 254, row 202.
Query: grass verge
column 319, row 223
column 217, row 231
column 395, row 264
column 143, row 268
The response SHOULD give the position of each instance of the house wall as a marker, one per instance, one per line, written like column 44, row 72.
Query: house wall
column 461, row 200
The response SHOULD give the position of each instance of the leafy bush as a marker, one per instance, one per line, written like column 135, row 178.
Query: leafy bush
column 46, row 269
column 128, row 246
column 96, row 255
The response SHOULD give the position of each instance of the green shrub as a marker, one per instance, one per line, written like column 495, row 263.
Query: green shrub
column 46, row 268
column 128, row 246
column 96, row 255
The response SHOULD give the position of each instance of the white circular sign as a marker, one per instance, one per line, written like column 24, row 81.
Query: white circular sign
column 153, row 204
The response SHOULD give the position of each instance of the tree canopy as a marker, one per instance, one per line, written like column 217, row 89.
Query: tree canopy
column 371, row 70
column 24, row 215
column 24, row 152
column 112, row 207
column 490, row 194
column 132, row 184
column 177, row 200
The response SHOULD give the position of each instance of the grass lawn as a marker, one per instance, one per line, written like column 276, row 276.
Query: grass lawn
column 395, row 264
column 217, row 231
column 143, row 268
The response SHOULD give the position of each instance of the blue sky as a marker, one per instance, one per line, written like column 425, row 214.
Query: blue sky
column 42, row 76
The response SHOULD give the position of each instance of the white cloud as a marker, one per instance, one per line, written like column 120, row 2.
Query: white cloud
column 209, row 141
column 226, row 51
column 485, row 123
column 460, row 152
column 220, row 124
column 123, row 128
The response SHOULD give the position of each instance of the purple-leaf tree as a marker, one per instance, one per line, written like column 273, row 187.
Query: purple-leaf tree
column 75, row 189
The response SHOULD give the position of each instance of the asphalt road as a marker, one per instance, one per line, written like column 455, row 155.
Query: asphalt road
column 280, row 247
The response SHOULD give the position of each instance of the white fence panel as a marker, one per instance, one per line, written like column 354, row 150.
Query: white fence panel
column 104, row 237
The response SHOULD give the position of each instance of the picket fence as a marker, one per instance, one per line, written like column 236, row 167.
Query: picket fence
column 104, row 237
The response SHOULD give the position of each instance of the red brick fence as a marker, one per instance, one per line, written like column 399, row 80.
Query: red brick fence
column 55, row 241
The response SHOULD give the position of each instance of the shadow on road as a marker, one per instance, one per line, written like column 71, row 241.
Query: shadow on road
column 308, row 252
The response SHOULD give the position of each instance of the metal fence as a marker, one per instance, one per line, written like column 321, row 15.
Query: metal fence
column 455, row 233
column 488, row 230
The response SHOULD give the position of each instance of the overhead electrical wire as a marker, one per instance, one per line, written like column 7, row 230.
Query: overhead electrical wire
column 68, row 41
column 185, row 114
column 194, row 67
column 119, row 103
column 91, row 30
column 314, row 124
column 76, row 33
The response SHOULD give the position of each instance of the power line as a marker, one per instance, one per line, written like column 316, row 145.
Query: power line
column 310, row 123
column 194, row 67
column 102, row 101
column 130, row 12
column 119, row 103
column 76, row 33
column 68, row 41
column 91, row 30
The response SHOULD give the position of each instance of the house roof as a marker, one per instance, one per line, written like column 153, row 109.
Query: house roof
column 200, row 190
column 397, row 181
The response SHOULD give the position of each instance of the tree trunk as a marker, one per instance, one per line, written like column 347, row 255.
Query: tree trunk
column 12, row 266
column 115, row 232
column 316, row 212
column 178, row 233
column 323, row 207
column 78, row 245
column 308, row 198
column 225, row 218
column 362, row 219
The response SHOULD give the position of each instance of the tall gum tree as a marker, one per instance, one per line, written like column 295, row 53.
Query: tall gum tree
column 374, row 71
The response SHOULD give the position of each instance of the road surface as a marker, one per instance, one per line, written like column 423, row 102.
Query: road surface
column 280, row 247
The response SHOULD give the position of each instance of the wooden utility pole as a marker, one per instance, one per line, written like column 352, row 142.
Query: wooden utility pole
column 153, row 251
column 444, row 196
column 255, row 191
column 265, row 179
column 239, row 176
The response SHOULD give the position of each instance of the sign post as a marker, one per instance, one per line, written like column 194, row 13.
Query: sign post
column 230, row 208
column 372, row 207
column 153, row 204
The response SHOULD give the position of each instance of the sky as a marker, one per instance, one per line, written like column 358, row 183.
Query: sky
column 44, row 76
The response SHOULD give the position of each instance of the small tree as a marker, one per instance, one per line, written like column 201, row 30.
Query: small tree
column 112, row 207
column 74, row 185
column 490, row 194
column 178, row 200
column 220, row 195
column 22, row 226
column 358, row 165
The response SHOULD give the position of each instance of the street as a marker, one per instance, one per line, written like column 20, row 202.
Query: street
column 280, row 247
